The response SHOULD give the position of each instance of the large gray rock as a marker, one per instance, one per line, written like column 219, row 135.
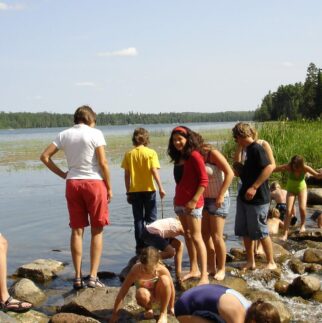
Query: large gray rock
column 5, row 318
column 71, row 318
column 314, row 196
column 297, row 266
column 40, row 270
column 30, row 317
column 25, row 289
column 313, row 256
column 305, row 286
column 97, row 303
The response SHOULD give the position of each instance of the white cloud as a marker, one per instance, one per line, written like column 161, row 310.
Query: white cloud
column 85, row 84
column 131, row 51
column 287, row 64
column 4, row 6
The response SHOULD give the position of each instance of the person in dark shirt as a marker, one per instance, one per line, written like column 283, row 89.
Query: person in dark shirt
column 253, row 197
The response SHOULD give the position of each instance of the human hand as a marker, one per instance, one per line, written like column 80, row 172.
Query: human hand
column 219, row 201
column 191, row 205
column 250, row 193
column 162, row 193
column 109, row 195
column 128, row 198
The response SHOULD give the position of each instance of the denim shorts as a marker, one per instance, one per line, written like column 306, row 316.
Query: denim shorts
column 211, row 209
column 181, row 210
column 251, row 220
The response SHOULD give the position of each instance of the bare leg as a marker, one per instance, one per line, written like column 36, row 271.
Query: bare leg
column 290, row 200
column 96, row 249
column 76, row 247
column 3, row 269
column 4, row 294
column 268, row 249
column 249, row 246
column 206, row 236
column 163, row 294
column 178, row 246
column 194, row 269
column 194, row 225
column 217, row 232
column 302, row 198
column 144, row 299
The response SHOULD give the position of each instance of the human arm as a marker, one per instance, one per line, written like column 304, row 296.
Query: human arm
column 281, row 168
column 312, row 171
column 127, row 181
column 269, row 152
column 220, row 161
column 128, row 282
column 191, row 205
column 102, row 162
column 45, row 157
column 156, row 176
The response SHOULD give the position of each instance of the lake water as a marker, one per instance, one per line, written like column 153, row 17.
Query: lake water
column 34, row 216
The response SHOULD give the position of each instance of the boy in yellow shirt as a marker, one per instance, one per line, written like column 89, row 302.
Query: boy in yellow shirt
column 141, row 172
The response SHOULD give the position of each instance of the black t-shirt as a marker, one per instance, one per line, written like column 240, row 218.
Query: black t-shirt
column 256, row 161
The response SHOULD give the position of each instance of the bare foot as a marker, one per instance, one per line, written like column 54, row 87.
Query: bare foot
column 220, row 275
column 190, row 275
column 163, row 318
column 284, row 237
column 271, row 266
column 203, row 281
column 249, row 266
column 302, row 228
column 149, row 315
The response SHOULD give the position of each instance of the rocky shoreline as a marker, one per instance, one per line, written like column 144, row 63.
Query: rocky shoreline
column 300, row 256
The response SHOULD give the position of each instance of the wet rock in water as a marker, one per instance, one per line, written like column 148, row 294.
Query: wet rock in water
column 5, row 318
column 317, row 296
column 313, row 256
column 280, row 253
column 314, row 234
column 27, row 290
column 313, row 244
column 106, row 275
column 30, row 317
column 71, row 318
column 238, row 253
column 265, row 275
column 281, row 287
column 304, row 286
column 313, row 268
column 128, row 267
column 40, row 270
column 314, row 196
column 297, row 266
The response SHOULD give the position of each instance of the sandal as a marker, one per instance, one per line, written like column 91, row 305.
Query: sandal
column 78, row 283
column 94, row 282
column 15, row 305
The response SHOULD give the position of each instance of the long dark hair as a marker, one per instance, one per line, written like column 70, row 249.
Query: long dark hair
column 194, row 142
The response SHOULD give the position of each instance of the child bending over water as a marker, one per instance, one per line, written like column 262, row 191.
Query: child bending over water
column 296, row 187
column 154, row 285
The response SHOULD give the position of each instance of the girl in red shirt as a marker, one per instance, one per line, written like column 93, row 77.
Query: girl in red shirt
column 191, row 178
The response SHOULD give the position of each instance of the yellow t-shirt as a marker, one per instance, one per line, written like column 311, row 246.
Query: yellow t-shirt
column 139, row 162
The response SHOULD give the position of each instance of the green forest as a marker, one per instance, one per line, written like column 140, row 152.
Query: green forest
column 294, row 101
column 47, row 120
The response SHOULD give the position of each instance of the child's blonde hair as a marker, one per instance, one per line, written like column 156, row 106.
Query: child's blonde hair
column 273, row 213
column 274, row 186
column 149, row 257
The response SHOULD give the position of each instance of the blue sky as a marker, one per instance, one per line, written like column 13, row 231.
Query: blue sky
column 153, row 55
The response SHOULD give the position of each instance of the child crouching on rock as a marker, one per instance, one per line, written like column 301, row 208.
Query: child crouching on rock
column 154, row 285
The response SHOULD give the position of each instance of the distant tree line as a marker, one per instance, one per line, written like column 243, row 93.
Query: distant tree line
column 15, row 120
column 294, row 101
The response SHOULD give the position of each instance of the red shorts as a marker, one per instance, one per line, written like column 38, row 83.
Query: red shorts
column 87, row 200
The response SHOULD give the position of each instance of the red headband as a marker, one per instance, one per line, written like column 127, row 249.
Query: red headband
column 180, row 129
